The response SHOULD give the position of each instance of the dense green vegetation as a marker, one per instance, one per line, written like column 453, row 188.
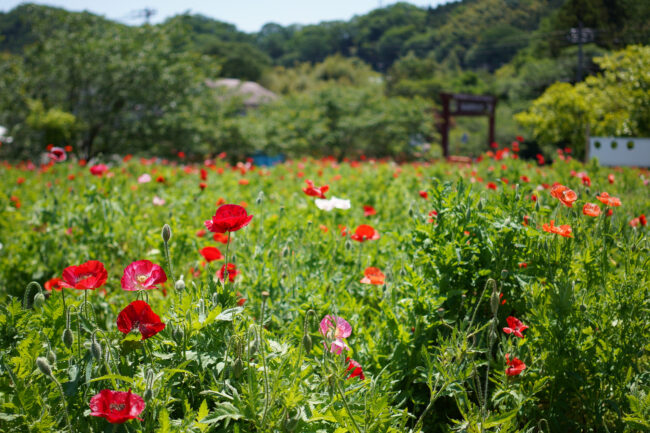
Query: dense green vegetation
column 75, row 78
column 429, row 338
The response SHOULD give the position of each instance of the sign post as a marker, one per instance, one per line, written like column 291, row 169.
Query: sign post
column 455, row 104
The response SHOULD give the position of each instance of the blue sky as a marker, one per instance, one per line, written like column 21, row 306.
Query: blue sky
column 247, row 15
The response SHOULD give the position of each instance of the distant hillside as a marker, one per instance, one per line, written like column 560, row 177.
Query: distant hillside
column 468, row 34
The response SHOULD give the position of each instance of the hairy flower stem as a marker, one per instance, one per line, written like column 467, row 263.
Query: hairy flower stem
column 347, row 408
column 225, row 270
column 169, row 261
column 266, row 374
column 65, row 406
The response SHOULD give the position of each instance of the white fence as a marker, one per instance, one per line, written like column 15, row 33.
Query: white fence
column 620, row 151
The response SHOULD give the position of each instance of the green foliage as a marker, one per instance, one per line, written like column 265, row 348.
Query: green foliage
column 429, row 340
column 614, row 103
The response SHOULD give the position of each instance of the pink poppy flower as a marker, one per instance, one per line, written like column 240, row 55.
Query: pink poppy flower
column 143, row 275
column 57, row 154
column 116, row 406
column 335, row 329
column 515, row 326
column 157, row 201
column 98, row 169
column 145, row 178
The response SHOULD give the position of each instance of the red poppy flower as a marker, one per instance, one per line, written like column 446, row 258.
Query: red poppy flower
column 540, row 159
column 591, row 209
column 203, row 174
column 526, row 220
column 343, row 229
column 87, row 276
column 433, row 214
column 200, row 233
column 57, row 154
column 220, row 237
column 523, row 265
column 373, row 276
column 232, row 272
column 643, row 220
column 116, row 406
column 138, row 316
column 369, row 211
column 324, row 228
column 142, row 275
column 228, row 218
column 203, row 185
column 515, row 366
column 515, row 326
column 491, row 185
column 313, row 191
column 356, row 369
column 609, row 200
column 49, row 147
column 53, row 284
column 519, row 138
column 564, row 194
column 586, row 181
column 160, row 179
column 243, row 181
column 68, row 148
column 211, row 253
column 98, row 169
column 610, row 178
column 365, row 233
column 424, row 194
column 563, row 230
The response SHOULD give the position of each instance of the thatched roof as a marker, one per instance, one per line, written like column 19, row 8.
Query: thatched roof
column 252, row 93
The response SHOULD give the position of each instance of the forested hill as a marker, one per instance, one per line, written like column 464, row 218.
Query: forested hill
column 468, row 34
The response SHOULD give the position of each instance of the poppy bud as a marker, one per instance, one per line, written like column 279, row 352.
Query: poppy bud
column 260, row 198
column 68, row 339
column 39, row 300
column 494, row 302
column 148, row 394
column 51, row 356
column 180, row 284
column 149, row 377
column 178, row 334
column 201, row 306
column 166, row 233
column 95, row 349
column 411, row 212
column 504, row 274
column 306, row 343
column 348, row 245
column 238, row 367
column 285, row 251
column 480, row 205
column 44, row 366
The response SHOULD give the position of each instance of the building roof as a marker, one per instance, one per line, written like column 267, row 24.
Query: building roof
column 252, row 93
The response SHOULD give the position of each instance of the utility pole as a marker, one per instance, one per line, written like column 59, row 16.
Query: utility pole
column 580, row 35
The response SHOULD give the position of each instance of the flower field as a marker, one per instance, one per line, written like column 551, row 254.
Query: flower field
column 145, row 295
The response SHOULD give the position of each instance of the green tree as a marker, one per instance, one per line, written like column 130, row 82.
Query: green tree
column 616, row 102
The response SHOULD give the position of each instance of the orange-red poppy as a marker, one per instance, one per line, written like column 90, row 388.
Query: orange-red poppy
column 373, row 276
column 609, row 200
column 591, row 209
column 564, row 194
column 563, row 230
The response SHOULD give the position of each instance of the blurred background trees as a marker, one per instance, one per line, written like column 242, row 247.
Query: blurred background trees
column 369, row 85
